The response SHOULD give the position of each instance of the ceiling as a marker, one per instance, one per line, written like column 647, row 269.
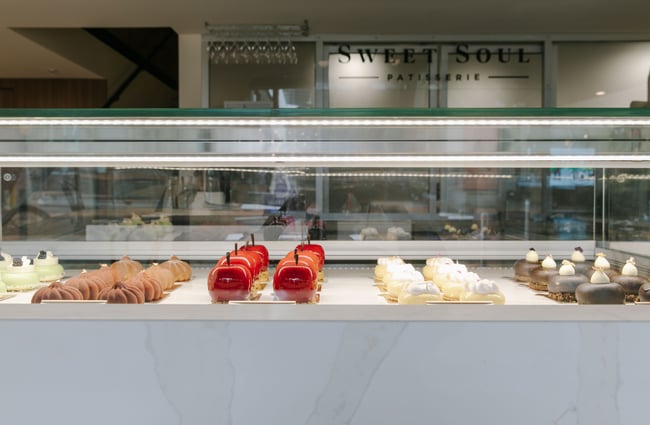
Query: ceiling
column 29, row 59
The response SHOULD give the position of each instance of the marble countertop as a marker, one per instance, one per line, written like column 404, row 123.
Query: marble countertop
column 348, row 294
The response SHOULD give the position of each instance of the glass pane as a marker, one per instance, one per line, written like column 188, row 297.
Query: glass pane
column 133, row 204
column 555, row 203
column 393, row 76
column 247, row 84
column 411, row 178
column 283, row 204
column 628, row 205
column 461, row 204
column 60, row 203
column 494, row 76
column 603, row 74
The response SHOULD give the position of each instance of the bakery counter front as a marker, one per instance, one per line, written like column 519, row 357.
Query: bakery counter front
column 353, row 357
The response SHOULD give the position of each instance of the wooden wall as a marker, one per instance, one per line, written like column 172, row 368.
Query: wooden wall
column 52, row 93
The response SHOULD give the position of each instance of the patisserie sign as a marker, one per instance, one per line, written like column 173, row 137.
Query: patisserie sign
column 408, row 55
column 461, row 54
column 406, row 75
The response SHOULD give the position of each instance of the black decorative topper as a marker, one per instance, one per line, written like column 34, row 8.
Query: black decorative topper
column 42, row 255
column 17, row 262
column 577, row 248
column 2, row 257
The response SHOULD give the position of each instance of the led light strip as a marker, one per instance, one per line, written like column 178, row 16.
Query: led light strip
column 301, row 173
column 322, row 122
column 316, row 161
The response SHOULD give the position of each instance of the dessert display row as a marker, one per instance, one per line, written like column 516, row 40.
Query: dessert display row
column 241, row 273
column 582, row 281
column 244, row 274
column 125, row 281
column 24, row 273
column 237, row 276
column 576, row 280
column 441, row 279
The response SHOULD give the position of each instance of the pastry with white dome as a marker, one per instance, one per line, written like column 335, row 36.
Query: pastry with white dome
column 540, row 276
column 430, row 269
column 630, row 280
column 483, row 290
column 5, row 261
column 454, row 285
column 382, row 265
column 580, row 263
column 419, row 293
column 562, row 287
column 601, row 263
column 21, row 275
column 397, row 277
column 48, row 267
column 447, row 272
column 600, row 290
column 524, row 267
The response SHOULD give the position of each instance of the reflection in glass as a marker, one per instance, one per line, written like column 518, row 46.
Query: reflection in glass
column 263, row 75
column 613, row 74
column 347, row 204
column 628, row 203
column 495, row 76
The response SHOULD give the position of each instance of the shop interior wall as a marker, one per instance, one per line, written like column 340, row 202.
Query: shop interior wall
column 52, row 93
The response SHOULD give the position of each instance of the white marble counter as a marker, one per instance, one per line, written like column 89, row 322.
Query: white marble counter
column 186, row 361
column 169, row 372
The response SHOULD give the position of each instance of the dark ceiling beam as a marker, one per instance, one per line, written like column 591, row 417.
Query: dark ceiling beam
column 142, row 63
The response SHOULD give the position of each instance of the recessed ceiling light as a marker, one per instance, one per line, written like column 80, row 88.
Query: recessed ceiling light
column 600, row 93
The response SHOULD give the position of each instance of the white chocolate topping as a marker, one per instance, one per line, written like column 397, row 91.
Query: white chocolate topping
column 403, row 276
column 49, row 260
column 531, row 256
column 396, row 281
column 24, row 265
column 599, row 276
column 396, row 268
column 566, row 269
column 601, row 262
column 421, row 288
column 448, row 271
column 464, row 278
column 549, row 263
column 629, row 269
column 483, row 286
column 7, row 258
column 577, row 256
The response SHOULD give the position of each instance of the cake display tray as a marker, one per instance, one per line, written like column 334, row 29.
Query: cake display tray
column 343, row 285
column 349, row 293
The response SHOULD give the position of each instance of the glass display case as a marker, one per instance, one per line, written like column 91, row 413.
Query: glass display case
column 474, row 184
column 478, row 186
